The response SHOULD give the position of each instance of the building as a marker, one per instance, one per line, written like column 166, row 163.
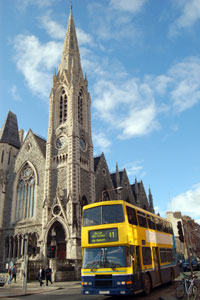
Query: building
column 191, row 233
column 45, row 184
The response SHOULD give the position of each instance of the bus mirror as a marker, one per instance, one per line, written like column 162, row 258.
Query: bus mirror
column 132, row 250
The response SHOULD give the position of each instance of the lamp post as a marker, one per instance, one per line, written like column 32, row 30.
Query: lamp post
column 119, row 188
column 25, row 264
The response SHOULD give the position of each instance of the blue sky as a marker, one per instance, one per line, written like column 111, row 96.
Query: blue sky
column 142, row 60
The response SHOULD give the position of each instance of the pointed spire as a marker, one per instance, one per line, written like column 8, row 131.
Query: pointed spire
column 70, row 50
column 136, row 191
column 117, row 176
column 9, row 133
column 151, row 200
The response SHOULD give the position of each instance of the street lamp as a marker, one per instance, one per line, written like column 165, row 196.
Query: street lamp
column 25, row 264
column 119, row 188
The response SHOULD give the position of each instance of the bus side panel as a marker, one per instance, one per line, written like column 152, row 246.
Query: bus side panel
column 176, row 271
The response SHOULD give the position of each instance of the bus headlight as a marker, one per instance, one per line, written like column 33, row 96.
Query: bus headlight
column 124, row 282
column 121, row 282
column 86, row 283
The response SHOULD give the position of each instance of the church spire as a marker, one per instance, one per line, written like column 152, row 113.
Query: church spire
column 9, row 132
column 71, row 57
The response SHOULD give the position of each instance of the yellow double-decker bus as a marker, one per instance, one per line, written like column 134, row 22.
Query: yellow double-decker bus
column 126, row 250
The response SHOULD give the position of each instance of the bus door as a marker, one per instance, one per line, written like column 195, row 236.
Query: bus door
column 138, row 269
column 156, row 265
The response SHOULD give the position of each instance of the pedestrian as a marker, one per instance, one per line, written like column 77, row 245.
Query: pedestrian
column 9, row 275
column 41, row 275
column 48, row 273
column 14, row 273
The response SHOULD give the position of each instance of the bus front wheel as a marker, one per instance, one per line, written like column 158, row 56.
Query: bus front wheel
column 147, row 285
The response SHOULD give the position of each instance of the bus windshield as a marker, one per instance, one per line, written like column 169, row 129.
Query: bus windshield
column 109, row 257
column 105, row 214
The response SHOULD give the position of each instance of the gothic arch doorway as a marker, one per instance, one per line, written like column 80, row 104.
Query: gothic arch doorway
column 56, row 239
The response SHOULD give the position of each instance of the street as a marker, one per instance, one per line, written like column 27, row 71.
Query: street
column 72, row 291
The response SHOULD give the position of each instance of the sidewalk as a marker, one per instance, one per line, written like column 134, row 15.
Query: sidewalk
column 15, row 289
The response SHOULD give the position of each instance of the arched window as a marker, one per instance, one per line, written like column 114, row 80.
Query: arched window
column 25, row 194
column 2, row 156
column 80, row 107
column 9, row 156
column 105, row 194
column 63, row 106
column 83, row 202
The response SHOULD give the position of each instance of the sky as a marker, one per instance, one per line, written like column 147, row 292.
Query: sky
column 142, row 60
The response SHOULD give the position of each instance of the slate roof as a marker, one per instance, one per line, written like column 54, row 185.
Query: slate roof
column 96, row 161
column 9, row 132
column 42, row 144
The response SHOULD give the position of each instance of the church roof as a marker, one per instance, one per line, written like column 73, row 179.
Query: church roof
column 41, row 143
column 96, row 161
column 113, row 177
column 9, row 132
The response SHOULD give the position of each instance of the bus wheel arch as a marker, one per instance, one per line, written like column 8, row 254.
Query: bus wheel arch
column 147, row 284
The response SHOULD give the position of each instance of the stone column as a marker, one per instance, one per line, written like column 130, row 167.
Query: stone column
column 18, row 246
column 9, row 253
column 22, row 245
column 14, row 247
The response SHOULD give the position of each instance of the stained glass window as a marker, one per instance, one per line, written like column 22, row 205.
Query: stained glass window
column 25, row 194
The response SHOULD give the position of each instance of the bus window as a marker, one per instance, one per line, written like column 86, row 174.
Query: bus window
column 159, row 224
column 146, row 256
column 112, row 214
column 106, row 257
column 105, row 214
column 163, row 255
column 151, row 222
column 132, row 218
column 165, row 227
column 142, row 219
column 169, row 255
column 92, row 216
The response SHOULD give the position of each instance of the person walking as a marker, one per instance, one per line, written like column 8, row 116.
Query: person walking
column 41, row 275
column 48, row 273
column 9, row 275
column 14, row 273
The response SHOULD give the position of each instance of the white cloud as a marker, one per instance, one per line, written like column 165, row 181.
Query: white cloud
column 190, row 14
column 135, row 168
column 84, row 38
column 14, row 93
column 186, row 83
column 57, row 31
column 36, row 62
column 54, row 29
column 128, row 106
column 138, row 122
column 101, row 142
column 114, row 23
column 128, row 5
column 188, row 203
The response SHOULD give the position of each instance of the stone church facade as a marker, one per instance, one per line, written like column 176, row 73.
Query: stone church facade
column 45, row 184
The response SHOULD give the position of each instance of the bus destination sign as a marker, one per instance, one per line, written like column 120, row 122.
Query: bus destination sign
column 103, row 236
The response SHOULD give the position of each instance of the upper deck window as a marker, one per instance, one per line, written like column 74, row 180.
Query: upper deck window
column 142, row 219
column 132, row 218
column 105, row 214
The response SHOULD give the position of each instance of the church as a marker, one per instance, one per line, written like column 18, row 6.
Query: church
column 45, row 183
